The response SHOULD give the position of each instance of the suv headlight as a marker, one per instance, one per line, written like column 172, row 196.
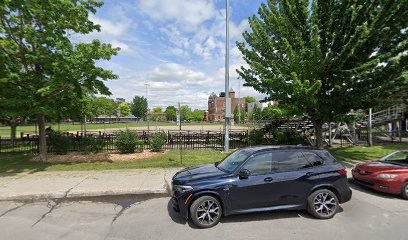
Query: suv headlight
column 386, row 176
column 182, row 189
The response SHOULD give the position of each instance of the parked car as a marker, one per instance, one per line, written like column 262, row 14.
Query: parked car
column 261, row 179
column 389, row 174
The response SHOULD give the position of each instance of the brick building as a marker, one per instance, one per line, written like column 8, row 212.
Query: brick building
column 216, row 106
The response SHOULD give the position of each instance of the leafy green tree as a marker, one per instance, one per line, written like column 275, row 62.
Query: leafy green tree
column 236, row 115
column 249, row 99
column 171, row 113
column 124, row 109
column 156, row 112
column 44, row 64
column 328, row 58
column 139, row 107
column 197, row 115
column 185, row 113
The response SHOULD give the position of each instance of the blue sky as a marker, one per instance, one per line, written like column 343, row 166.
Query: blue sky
column 176, row 46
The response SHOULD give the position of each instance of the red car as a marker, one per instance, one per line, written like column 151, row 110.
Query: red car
column 389, row 175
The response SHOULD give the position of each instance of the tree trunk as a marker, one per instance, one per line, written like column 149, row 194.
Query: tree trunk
column 42, row 138
column 13, row 131
column 318, row 133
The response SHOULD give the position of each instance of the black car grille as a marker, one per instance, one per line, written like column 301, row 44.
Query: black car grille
column 364, row 182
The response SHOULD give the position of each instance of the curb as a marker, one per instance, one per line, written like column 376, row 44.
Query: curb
column 63, row 195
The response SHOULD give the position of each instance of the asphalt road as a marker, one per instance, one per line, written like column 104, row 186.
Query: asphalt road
column 369, row 215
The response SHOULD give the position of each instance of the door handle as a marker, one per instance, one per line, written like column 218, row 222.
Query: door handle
column 268, row 179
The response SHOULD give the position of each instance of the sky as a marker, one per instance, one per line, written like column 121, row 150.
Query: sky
column 177, row 47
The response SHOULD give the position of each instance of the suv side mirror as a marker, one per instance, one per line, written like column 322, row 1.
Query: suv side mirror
column 244, row 174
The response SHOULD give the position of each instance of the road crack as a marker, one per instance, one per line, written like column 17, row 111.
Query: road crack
column 51, row 207
column 13, row 209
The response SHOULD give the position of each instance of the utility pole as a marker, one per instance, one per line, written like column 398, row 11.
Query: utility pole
column 239, row 100
column 227, row 99
column 147, row 115
column 179, row 115
column 370, row 122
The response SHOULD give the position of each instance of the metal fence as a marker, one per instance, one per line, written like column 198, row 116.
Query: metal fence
column 188, row 140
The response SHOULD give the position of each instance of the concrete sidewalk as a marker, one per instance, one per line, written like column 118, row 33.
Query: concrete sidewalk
column 43, row 185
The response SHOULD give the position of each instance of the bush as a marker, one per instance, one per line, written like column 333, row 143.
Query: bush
column 256, row 137
column 59, row 143
column 128, row 142
column 92, row 144
column 157, row 141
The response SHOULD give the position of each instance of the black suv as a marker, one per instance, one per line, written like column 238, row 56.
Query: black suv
column 261, row 179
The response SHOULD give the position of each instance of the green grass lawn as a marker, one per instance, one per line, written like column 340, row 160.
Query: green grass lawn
column 361, row 153
column 5, row 131
column 20, row 163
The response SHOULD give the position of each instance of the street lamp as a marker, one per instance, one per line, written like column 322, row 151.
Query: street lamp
column 227, row 99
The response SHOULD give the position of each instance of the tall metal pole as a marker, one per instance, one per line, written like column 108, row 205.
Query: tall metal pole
column 227, row 99
column 239, row 100
column 147, row 116
column 370, row 122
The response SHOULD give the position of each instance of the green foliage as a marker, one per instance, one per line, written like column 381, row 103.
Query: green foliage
column 91, row 144
column 139, row 107
column 197, row 115
column 124, row 109
column 249, row 99
column 128, row 142
column 157, row 111
column 43, row 65
column 59, row 143
column 185, row 113
column 236, row 115
column 256, row 137
column 328, row 58
column 157, row 141
column 171, row 113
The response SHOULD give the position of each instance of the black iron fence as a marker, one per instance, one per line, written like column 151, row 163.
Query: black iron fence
column 79, row 142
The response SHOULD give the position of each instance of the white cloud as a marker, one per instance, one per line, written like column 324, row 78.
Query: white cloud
column 110, row 28
column 189, row 13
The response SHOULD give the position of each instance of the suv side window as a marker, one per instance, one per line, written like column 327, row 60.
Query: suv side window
column 259, row 164
column 313, row 158
column 286, row 160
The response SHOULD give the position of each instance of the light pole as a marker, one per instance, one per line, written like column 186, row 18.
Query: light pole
column 227, row 99
column 239, row 100
column 147, row 115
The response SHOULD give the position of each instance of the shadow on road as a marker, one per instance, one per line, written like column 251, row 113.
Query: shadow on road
column 248, row 217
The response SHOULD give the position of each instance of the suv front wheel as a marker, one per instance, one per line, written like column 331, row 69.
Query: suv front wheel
column 205, row 212
column 323, row 204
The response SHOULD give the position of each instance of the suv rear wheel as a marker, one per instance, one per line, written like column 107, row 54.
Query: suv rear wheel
column 323, row 204
column 205, row 212
column 404, row 191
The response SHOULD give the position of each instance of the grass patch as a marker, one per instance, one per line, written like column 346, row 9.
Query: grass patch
column 362, row 153
column 12, row 164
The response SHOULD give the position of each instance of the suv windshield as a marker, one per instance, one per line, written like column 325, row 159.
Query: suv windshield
column 232, row 161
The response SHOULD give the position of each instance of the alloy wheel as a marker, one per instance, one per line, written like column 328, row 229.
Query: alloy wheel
column 208, row 212
column 325, row 204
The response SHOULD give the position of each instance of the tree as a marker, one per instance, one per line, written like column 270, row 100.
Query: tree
column 236, row 115
column 327, row 59
column 156, row 112
column 124, row 109
column 185, row 113
column 139, row 107
column 249, row 99
column 42, row 62
column 197, row 115
column 171, row 113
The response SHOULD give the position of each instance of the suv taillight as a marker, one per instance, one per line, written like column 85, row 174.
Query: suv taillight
column 342, row 171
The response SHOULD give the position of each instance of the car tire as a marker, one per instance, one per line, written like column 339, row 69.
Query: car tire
column 323, row 204
column 205, row 211
column 404, row 191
